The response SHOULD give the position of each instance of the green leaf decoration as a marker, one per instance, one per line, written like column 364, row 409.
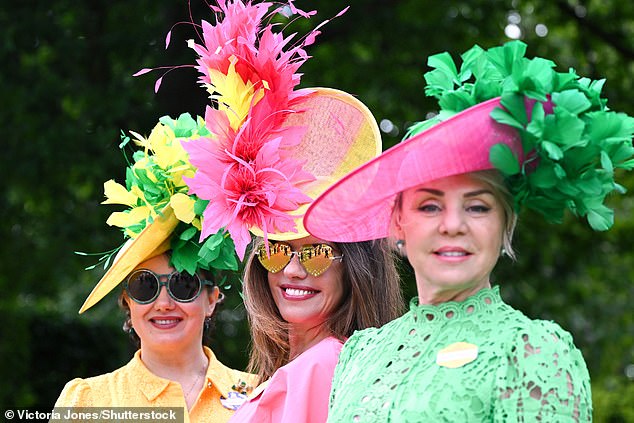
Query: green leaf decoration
column 564, row 129
column 157, row 181
column 503, row 158
column 200, row 206
column 457, row 101
column 572, row 142
column 185, row 256
column 543, row 178
column 504, row 117
column 606, row 162
column 188, row 233
column 573, row 101
column 552, row 150
column 444, row 63
column 601, row 219
column 516, row 106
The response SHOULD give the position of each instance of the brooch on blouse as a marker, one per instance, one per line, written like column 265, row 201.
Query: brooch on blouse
column 237, row 396
column 457, row 355
column 242, row 387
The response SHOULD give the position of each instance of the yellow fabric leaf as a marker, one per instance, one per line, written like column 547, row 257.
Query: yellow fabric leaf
column 183, row 206
column 167, row 152
column 118, row 194
column 233, row 94
column 129, row 218
column 139, row 193
column 139, row 139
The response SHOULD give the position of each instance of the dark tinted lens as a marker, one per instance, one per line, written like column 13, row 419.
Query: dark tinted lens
column 184, row 287
column 142, row 286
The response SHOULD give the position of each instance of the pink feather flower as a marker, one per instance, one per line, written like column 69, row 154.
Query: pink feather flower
column 247, row 171
column 259, row 193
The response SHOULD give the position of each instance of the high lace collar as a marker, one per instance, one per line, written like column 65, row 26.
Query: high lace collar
column 484, row 299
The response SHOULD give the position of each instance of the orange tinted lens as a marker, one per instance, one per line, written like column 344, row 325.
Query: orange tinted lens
column 317, row 258
column 278, row 257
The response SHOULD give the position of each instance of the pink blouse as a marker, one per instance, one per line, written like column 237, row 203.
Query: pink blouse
column 297, row 392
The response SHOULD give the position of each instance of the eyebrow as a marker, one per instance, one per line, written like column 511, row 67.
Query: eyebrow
column 470, row 194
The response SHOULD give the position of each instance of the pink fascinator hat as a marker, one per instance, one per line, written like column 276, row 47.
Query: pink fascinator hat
column 271, row 148
column 550, row 134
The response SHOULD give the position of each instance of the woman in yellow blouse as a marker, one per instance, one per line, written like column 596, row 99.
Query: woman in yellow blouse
column 169, row 292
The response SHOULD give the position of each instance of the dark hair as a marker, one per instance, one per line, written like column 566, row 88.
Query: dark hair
column 372, row 297
column 208, row 328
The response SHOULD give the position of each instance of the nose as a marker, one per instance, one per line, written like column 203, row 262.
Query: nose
column 294, row 269
column 453, row 221
column 163, row 301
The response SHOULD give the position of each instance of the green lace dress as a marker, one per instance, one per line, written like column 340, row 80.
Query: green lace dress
column 473, row 361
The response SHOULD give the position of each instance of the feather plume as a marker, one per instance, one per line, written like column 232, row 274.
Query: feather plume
column 244, row 167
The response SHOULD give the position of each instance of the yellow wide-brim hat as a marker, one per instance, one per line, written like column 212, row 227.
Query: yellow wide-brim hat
column 152, row 241
column 341, row 135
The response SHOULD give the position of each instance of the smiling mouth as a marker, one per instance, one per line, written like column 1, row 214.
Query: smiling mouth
column 452, row 253
column 294, row 292
column 165, row 321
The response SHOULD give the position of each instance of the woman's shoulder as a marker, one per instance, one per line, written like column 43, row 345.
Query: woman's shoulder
column 373, row 334
column 323, row 354
column 533, row 342
column 519, row 326
column 226, row 376
column 374, row 341
column 84, row 392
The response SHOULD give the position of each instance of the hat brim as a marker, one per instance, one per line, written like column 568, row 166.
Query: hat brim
column 341, row 135
column 152, row 241
column 359, row 206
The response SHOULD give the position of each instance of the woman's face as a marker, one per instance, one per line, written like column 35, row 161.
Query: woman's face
column 304, row 300
column 166, row 324
column 452, row 228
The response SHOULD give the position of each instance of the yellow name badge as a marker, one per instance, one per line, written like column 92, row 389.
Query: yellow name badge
column 457, row 355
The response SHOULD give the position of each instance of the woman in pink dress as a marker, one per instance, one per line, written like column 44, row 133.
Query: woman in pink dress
column 271, row 150
column 303, row 301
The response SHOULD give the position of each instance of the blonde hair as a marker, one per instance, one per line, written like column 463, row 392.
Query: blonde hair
column 371, row 298
column 494, row 180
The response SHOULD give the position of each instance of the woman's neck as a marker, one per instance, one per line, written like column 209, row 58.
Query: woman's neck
column 302, row 339
column 174, row 364
column 437, row 295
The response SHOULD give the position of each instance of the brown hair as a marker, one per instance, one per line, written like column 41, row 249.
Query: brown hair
column 208, row 327
column 372, row 297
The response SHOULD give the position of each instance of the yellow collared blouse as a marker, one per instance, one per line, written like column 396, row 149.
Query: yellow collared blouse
column 133, row 385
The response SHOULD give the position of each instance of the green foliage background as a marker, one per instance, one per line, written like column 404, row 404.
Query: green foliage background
column 67, row 91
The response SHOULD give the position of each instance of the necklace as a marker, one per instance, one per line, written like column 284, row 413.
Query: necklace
column 189, row 391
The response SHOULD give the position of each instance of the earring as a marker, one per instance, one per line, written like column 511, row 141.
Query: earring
column 400, row 244
column 503, row 252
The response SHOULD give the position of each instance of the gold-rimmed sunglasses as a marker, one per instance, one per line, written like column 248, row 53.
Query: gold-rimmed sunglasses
column 315, row 258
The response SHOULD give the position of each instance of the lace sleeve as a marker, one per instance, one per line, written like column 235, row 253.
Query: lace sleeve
column 342, row 368
column 546, row 378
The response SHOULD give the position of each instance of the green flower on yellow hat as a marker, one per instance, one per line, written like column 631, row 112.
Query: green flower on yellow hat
column 156, row 177
column 154, row 181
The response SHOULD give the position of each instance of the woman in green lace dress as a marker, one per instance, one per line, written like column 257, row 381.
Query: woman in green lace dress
column 514, row 134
